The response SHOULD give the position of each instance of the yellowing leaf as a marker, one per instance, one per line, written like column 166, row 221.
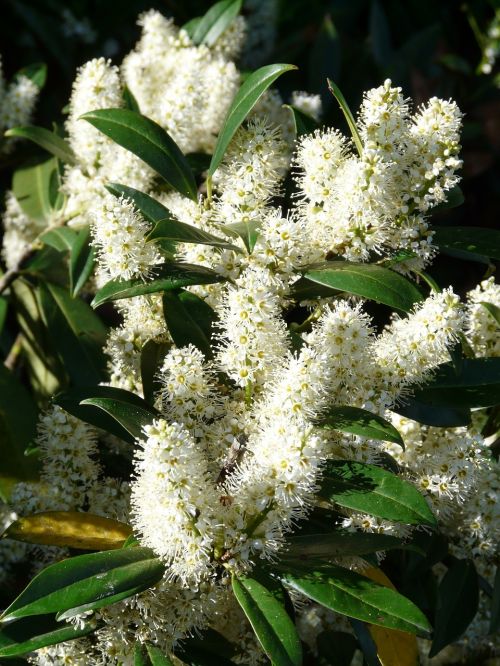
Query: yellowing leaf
column 394, row 648
column 70, row 528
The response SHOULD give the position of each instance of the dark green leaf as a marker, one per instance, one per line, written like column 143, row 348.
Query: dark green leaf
column 465, row 242
column 80, row 333
column 81, row 261
column 86, row 579
column 440, row 417
column 495, row 604
column 4, row 306
column 494, row 311
column 246, row 98
column 31, row 186
column 130, row 101
column 156, row 657
column 215, row 22
column 152, row 355
column 457, row 601
column 151, row 210
column 367, row 280
column 344, row 107
column 132, row 417
column 478, row 385
column 361, row 422
column 18, row 418
column 28, row 635
column 179, row 232
column 209, row 648
column 189, row 320
column 365, row 642
column 324, row 60
column 270, row 621
column 60, row 238
column 336, row 647
column 356, row 596
column 247, row 231
column 164, row 277
column 49, row 141
column 36, row 72
column 74, row 402
column 375, row 491
column 199, row 162
column 303, row 124
column 146, row 139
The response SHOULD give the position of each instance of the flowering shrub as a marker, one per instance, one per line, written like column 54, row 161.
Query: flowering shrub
column 268, row 402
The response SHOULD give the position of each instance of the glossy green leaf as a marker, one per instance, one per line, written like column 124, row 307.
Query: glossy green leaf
column 156, row 657
column 132, row 417
column 146, row 139
column 60, row 238
column 356, row 596
column 151, row 210
column 247, row 231
column 270, row 621
column 215, row 22
column 189, row 320
column 494, row 311
column 478, row 385
column 367, row 280
column 467, row 242
column 86, row 579
column 344, row 107
column 18, row 419
column 76, row 403
column 373, row 490
column 440, row 417
column 28, row 635
column 164, row 277
column 80, row 334
column 49, row 141
column 208, row 648
column 130, row 101
column 4, row 307
column 81, row 261
column 360, row 422
column 31, row 185
column 246, row 98
column 303, row 124
column 36, row 72
column 457, row 602
column 179, row 232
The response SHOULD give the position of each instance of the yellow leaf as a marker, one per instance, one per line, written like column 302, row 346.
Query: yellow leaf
column 394, row 648
column 70, row 528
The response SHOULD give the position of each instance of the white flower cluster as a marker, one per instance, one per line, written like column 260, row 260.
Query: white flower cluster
column 17, row 102
column 490, row 45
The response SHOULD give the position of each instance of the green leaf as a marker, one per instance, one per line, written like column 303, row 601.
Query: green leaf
column 356, row 596
column 365, row 642
column 189, row 320
column 86, row 580
column 247, row 231
column 367, row 280
column 31, row 186
column 156, row 657
column 179, row 232
column 164, row 277
column 215, row 22
column 312, row 547
column 73, row 401
column 209, row 648
column 81, row 261
column 246, row 98
column 129, row 100
column 361, row 422
column 495, row 604
column 60, row 238
column 494, row 311
column 4, row 306
column 28, row 635
column 80, row 333
column 439, row 417
column 478, row 385
column 18, row 418
column 152, row 355
column 36, row 72
column 303, row 124
column 457, row 602
column 149, row 141
column 344, row 107
column 467, row 242
column 130, row 416
column 151, row 210
column 454, row 197
column 270, row 621
column 49, row 141
column 373, row 490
